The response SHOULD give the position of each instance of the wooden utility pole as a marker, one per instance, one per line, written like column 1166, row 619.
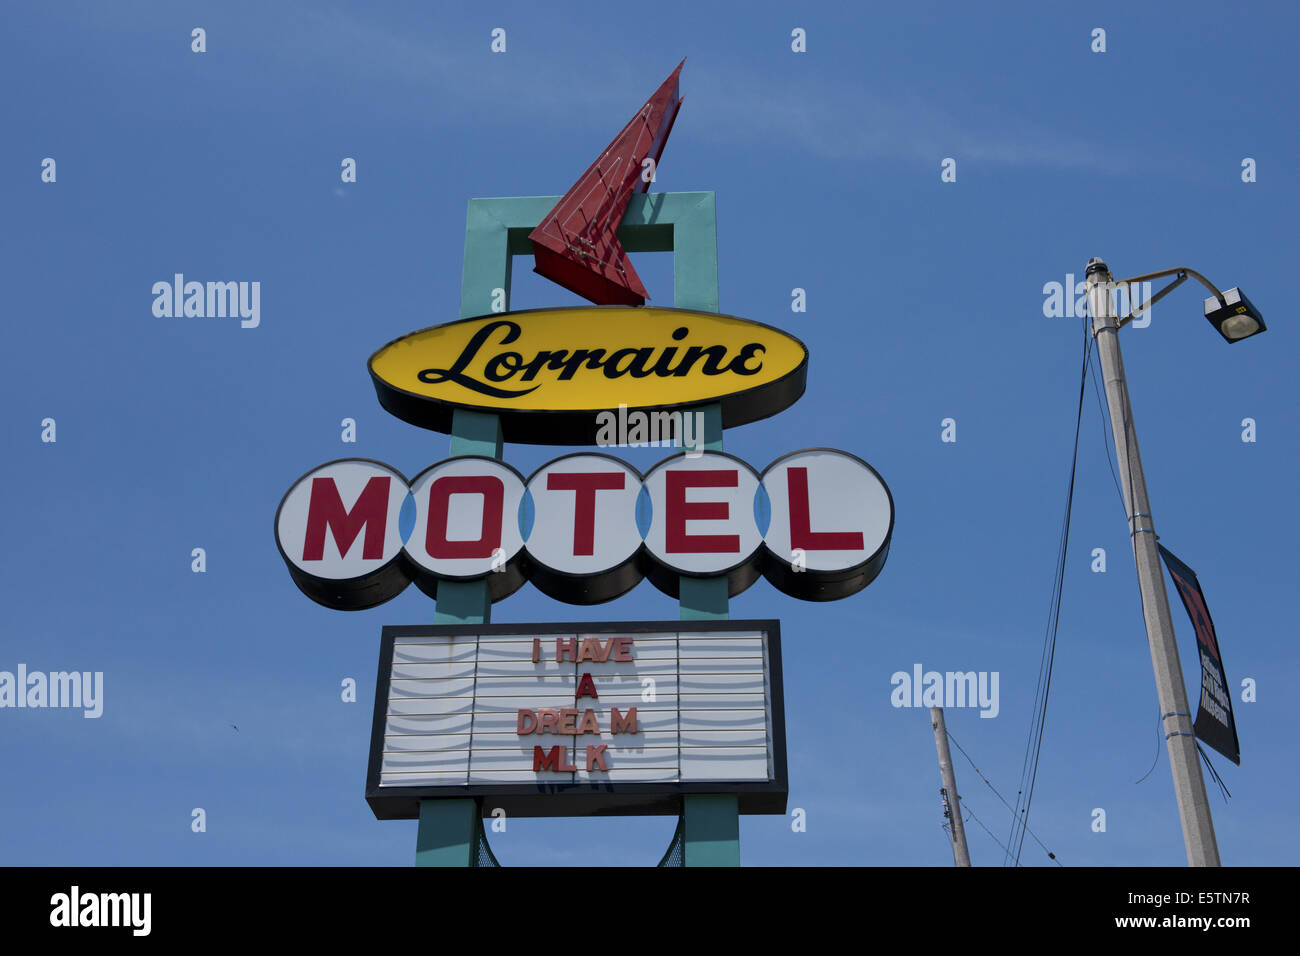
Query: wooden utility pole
column 951, row 801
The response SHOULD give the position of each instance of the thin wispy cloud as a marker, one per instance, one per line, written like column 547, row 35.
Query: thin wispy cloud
column 452, row 81
column 831, row 120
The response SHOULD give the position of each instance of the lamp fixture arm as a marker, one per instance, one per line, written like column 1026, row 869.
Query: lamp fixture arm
column 1182, row 272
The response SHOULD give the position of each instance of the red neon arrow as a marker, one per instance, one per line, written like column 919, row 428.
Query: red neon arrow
column 576, row 245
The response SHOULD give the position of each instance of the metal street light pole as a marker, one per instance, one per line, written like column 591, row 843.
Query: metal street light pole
column 1176, row 717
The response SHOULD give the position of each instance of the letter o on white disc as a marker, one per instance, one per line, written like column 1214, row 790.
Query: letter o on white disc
column 467, row 525
column 831, row 519
column 338, row 530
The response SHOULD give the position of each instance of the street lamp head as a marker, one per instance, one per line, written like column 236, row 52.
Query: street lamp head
column 1096, row 265
column 1234, row 316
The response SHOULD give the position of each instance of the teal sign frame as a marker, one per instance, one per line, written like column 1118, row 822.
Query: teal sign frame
column 496, row 230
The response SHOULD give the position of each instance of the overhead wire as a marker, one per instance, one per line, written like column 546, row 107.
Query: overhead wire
column 1159, row 724
column 1111, row 454
column 1105, row 434
column 1038, row 720
column 986, row 829
column 980, row 773
column 1214, row 774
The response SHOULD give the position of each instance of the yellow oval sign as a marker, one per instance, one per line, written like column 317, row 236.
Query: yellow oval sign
column 549, row 372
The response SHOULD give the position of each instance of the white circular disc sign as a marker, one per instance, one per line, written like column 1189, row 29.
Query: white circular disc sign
column 338, row 530
column 702, row 520
column 579, row 520
column 831, row 518
column 467, row 524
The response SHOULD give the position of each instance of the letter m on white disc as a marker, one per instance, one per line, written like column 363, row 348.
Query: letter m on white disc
column 340, row 531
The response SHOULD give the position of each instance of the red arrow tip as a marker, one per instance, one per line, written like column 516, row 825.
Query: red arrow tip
column 576, row 244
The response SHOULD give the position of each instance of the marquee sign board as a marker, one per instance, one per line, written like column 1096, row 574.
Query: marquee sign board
column 548, row 373
column 586, row 528
column 622, row 717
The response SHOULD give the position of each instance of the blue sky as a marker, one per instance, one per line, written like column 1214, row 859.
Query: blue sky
column 925, row 301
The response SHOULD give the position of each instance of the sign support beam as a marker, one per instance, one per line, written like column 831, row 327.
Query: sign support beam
column 446, row 835
column 711, row 822
column 712, row 833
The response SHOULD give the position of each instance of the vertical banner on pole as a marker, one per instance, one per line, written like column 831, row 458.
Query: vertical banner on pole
column 1214, row 721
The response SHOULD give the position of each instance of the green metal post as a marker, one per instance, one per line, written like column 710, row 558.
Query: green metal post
column 712, row 832
column 711, row 822
column 447, row 827
column 446, row 835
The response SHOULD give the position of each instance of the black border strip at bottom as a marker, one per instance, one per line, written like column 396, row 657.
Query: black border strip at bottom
column 333, row 904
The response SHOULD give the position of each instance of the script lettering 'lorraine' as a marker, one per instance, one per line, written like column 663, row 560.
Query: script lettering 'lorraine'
column 502, row 366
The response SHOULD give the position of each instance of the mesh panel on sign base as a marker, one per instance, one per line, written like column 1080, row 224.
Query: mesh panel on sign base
column 676, row 853
column 482, row 852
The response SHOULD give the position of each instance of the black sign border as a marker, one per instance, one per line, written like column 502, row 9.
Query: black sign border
column 579, row 799
column 578, row 426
